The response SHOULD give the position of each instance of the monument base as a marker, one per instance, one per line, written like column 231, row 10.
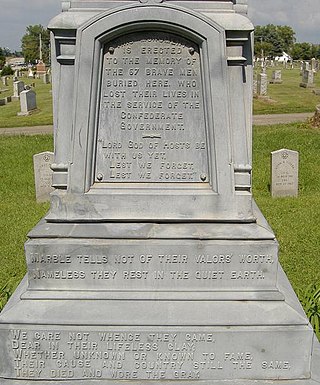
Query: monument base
column 307, row 85
column 110, row 334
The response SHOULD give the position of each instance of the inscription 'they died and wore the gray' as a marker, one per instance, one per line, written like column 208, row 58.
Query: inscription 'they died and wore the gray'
column 151, row 102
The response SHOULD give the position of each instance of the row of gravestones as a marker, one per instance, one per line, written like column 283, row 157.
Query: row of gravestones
column 314, row 64
column 260, row 84
column 27, row 97
column 284, row 174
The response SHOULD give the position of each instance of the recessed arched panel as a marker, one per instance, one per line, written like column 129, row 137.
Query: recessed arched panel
column 151, row 117
column 151, row 123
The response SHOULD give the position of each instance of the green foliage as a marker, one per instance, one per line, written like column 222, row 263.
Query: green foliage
column 7, row 71
column 303, row 51
column 18, row 207
column 6, row 291
column 310, row 300
column 273, row 39
column 31, row 44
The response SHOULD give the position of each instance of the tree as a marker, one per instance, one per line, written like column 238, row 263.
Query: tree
column 276, row 39
column 31, row 44
column 302, row 51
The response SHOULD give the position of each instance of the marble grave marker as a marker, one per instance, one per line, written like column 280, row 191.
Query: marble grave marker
column 154, row 263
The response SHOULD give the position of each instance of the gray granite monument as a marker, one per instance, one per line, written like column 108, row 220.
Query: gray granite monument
column 154, row 264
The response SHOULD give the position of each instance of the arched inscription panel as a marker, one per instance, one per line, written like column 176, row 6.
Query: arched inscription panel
column 151, row 121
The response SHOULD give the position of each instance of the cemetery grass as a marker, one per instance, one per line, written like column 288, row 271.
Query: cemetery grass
column 294, row 220
column 19, row 211
column 41, row 117
column 288, row 97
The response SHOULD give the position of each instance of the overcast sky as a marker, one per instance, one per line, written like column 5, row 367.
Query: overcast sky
column 302, row 16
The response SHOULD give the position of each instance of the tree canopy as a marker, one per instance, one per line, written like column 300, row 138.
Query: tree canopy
column 272, row 40
column 31, row 44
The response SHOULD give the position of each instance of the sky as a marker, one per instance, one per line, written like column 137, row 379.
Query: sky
column 302, row 16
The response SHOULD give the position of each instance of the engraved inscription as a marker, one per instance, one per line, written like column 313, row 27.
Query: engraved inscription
column 151, row 125
column 151, row 353
column 169, row 266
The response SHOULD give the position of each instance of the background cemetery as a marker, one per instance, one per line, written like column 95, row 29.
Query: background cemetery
column 293, row 219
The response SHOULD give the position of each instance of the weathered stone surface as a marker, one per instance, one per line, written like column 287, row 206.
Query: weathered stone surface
column 154, row 263
column 285, row 173
column 28, row 102
column 43, row 175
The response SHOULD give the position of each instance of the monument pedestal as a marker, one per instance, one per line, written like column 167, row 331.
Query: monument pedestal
column 153, row 264
column 134, row 332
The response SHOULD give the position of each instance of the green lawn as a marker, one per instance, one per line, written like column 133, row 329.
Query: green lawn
column 294, row 220
column 43, row 116
column 288, row 97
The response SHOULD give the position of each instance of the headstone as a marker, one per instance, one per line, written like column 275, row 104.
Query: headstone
column 276, row 77
column 262, row 84
column 313, row 65
column 255, row 87
column 4, row 80
column 46, row 78
column 18, row 87
column 307, row 79
column 43, row 175
column 3, row 102
column 153, row 264
column 284, row 173
column 28, row 102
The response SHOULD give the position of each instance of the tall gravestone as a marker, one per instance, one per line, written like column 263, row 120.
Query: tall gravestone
column 262, row 84
column 43, row 175
column 154, row 263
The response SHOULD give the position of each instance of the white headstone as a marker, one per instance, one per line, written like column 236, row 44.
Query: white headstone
column 262, row 84
column 284, row 173
column 43, row 175
column 28, row 102
column 4, row 80
column 307, row 79
column 18, row 87
column 276, row 77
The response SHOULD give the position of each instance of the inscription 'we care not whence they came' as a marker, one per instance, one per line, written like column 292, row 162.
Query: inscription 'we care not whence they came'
column 151, row 121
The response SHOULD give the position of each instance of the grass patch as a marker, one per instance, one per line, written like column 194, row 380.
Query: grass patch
column 294, row 220
column 288, row 97
column 8, row 113
column 18, row 208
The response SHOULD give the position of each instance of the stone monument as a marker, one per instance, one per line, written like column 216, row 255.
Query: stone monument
column 153, row 264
